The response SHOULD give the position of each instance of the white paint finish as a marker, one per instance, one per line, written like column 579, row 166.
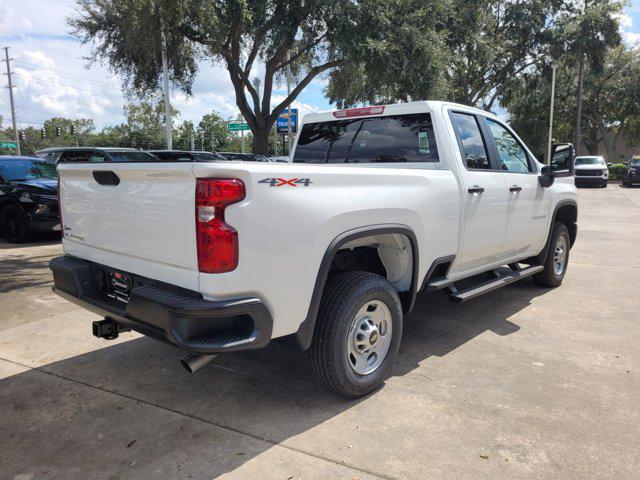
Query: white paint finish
column 146, row 224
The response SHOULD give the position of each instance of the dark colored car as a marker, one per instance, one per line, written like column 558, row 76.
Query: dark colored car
column 245, row 157
column 632, row 175
column 186, row 156
column 28, row 197
column 94, row 155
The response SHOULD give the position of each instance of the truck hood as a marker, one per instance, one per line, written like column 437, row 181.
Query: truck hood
column 38, row 185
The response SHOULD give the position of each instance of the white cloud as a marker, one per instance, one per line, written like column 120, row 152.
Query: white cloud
column 52, row 76
column 626, row 21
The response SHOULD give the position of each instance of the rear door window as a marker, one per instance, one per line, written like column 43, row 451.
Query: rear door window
column 470, row 140
column 389, row 139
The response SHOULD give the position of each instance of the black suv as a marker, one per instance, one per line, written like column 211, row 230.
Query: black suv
column 185, row 156
column 94, row 155
column 632, row 175
column 28, row 197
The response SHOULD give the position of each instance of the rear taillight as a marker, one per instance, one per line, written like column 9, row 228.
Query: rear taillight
column 217, row 241
column 60, row 207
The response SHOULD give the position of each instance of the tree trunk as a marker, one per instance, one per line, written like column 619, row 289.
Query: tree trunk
column 261, row 140
column 578, row 128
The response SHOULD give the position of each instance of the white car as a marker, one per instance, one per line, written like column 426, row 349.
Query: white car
column 591, row 170
column 326, row 253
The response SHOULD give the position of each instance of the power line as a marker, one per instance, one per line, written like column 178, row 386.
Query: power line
column 70, row 75
column 38, row 81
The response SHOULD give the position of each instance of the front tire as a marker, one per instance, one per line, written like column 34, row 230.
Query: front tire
column 357, row 334
column 14, row 225
column 555, row 265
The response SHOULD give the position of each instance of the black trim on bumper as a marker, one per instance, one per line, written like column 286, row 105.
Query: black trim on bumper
column 165, row 312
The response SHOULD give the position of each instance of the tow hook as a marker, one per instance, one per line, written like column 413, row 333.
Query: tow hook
column 108, row 329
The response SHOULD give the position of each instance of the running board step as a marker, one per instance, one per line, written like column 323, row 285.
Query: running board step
column 460, row 296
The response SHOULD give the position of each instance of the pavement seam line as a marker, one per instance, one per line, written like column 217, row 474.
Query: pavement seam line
column 604, row 266
column 193, row 417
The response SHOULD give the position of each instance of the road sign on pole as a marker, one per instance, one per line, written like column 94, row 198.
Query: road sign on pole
column 238, row 126
column 8, row 144
column 287, row 120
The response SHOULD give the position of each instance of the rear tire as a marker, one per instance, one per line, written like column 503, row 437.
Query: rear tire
column 555, row 265
column 14, row 225
column 357, row 334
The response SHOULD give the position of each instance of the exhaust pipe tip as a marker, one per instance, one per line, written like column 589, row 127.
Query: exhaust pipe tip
column 194, row 362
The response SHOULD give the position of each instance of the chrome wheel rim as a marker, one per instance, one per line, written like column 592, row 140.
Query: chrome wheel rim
column 369, row 337
column 560, row 255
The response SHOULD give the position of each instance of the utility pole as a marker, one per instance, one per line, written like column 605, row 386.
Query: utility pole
column 578, row 138
column 553, row 94
column 289, row 107
column 13, row 105
column 192, row 142
column 165, row 84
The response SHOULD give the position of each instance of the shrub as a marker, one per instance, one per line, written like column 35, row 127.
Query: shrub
column 617, row 171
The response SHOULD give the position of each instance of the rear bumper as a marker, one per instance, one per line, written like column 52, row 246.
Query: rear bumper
column 167, row 313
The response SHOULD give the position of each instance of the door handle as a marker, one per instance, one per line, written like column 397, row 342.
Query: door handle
column 475, row 189
column 515, row 188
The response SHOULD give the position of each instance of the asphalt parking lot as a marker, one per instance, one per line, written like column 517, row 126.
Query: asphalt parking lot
column 522, row 383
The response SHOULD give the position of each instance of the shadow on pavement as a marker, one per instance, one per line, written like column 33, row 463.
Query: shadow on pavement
column 267, row 394
column 39, row 240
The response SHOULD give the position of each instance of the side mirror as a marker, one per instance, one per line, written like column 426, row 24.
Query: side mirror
column 546, row 176
column 562, row 158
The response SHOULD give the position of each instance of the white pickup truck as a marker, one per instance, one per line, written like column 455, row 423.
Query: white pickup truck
column 326, row 253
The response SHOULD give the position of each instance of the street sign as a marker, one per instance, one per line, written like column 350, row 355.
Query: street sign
column 282, row 124
column 238, row 126
column 8, row 145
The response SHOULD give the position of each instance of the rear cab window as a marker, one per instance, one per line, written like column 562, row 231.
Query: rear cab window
column 407, row 138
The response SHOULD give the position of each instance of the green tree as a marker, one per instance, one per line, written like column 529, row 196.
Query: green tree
column 312, row 37
column 146, row 124
column 611, row 103
column 213, row 130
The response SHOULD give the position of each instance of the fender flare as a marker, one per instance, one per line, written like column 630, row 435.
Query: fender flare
column 303, row 337
column 542, row 256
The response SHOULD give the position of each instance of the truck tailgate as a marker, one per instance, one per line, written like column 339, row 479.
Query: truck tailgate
column 144, row 224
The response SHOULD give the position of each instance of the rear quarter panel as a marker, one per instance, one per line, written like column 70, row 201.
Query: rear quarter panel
column 285, row 230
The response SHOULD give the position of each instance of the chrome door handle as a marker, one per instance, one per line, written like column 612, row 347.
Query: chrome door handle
column 475, row 189
column 515, row 188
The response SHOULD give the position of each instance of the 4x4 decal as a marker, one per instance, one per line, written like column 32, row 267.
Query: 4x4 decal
column 291, row 182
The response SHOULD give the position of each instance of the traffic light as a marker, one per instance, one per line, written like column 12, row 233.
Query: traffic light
column 72, row 129
column 23, row 136
column 58, row 131
column 43, row 133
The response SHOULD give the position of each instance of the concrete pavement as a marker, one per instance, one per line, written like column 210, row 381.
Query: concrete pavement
column 522, row 383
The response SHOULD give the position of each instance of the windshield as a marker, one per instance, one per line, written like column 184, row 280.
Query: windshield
column 132, row 157
column 635, row 161
column 589, row 161
column 208, row 157
column 15, row 170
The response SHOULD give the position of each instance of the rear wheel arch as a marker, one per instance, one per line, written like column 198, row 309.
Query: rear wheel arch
column 303, row 337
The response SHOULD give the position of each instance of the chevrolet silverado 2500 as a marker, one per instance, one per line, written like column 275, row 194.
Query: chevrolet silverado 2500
column 326, row 253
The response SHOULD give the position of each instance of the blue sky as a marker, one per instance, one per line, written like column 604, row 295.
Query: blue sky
column 52, row 76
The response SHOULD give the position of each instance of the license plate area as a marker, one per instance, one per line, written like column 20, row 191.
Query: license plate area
column 118, row 285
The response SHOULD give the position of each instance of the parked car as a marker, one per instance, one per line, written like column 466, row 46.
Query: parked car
column 591, row 170
column 632, row 175
column 94, row 155
column 187, row 156
column 280, row 159
column 326, row 254
column 28, row 198
column 245, row 157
